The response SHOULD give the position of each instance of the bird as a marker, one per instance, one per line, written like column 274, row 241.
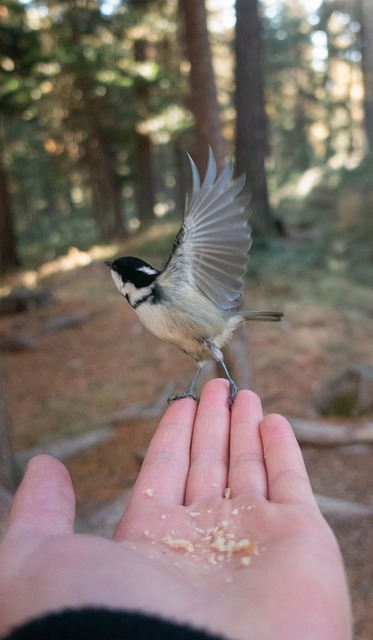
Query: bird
column 193, row 301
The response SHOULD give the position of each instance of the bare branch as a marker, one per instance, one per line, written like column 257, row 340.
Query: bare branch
column 328, row 434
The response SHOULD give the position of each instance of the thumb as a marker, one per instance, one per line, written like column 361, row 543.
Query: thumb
column 45, row 499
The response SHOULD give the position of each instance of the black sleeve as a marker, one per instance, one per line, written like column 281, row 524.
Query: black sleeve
column 105, row 624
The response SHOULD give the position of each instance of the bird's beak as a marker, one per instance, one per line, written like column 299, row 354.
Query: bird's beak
column 108, row 263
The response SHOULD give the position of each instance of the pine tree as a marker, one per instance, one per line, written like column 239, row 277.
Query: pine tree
column 251, row 134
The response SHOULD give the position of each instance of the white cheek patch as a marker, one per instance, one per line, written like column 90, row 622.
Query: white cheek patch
column 120, row 285
column 148, row 270
column 117, row 279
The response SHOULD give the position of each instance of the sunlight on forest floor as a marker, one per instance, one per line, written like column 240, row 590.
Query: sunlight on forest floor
column 72, row 260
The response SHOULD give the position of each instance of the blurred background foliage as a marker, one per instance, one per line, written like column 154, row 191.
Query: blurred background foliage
column 95, row 115
column 99, row 100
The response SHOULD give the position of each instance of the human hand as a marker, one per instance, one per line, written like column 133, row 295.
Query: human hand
column 261, row 564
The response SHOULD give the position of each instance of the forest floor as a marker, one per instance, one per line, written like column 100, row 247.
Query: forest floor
column 76, row 376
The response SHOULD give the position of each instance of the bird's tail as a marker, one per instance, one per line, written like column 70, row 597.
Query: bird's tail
column 268, row 316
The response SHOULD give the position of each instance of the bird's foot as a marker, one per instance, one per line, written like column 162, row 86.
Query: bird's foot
column 233, row 390
column 189, row 393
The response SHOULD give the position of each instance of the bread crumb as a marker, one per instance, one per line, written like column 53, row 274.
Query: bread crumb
column 227, row 493
column 179, row 543
column 149, row 492
column 227, row 544
column 243, row 544
column 217, row 544
column 234, row 512
column 194, row 514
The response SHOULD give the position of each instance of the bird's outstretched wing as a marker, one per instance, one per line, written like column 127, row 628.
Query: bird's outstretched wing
column 210, row 251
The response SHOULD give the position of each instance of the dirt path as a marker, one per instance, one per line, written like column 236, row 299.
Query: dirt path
column 77, row 375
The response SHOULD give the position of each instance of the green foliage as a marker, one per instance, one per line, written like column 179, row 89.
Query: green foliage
column 328, row 256
column 20, row 53
column 78, row 83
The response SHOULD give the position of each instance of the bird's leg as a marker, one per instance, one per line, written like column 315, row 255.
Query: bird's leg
column 233, row 389
column 189, row 393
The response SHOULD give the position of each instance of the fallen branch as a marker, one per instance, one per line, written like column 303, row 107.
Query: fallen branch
column 13, row 344
column 141, row 410
column 343, row 509
column 67, row 447
column 23, row 299
column 104, row 519
column 326, row 434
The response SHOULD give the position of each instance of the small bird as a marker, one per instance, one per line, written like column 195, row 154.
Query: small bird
column 193, row 300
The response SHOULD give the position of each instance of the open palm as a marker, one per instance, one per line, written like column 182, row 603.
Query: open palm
column 221, row 532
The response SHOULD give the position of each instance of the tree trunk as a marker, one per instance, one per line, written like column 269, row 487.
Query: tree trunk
column 10, row 475
column 145, row 180
column 104, row 180
column 8, row 247
column 203, row 100
column 366, row 9
column 145, row 177
column 251, row 134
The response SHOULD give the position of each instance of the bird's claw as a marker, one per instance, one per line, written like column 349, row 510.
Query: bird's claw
column 233, row 390
column 187, row 394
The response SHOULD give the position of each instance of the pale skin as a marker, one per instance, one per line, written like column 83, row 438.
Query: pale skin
column 291, row 584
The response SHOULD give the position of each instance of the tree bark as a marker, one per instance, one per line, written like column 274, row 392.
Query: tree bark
column 251, row 132
column 203, row 101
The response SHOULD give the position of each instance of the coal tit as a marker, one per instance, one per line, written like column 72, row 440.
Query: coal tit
column 193, row 300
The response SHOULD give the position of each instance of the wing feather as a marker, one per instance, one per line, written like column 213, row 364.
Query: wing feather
column 210, row 251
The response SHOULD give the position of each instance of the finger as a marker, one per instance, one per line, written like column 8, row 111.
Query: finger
column 286, row 472
column 165, row 468
column 45, row 499
column 210, row 444
column 247, row 473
